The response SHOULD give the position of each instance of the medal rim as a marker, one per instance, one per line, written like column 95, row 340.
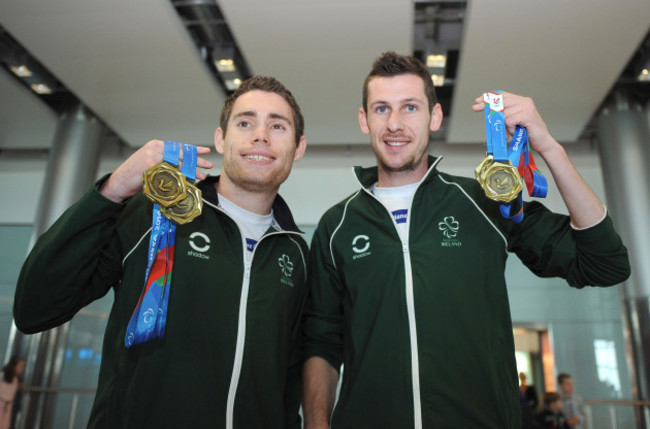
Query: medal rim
column 150, row 191
column 487, row 167
column 193, row 192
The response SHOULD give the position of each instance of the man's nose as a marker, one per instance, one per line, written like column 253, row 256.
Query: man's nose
column 261, row 134
column 395, row 121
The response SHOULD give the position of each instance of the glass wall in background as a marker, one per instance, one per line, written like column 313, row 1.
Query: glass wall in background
column 80, row 370
column 82, row 352
column 586, row 335
column 14, row 241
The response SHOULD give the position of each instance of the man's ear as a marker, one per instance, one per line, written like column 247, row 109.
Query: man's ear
column 218, row 140
column 363, row 121
column 300, row 150
column 436, row 117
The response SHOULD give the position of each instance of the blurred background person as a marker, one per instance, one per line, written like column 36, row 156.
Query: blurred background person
column 527, row 393
column 9, row 383
column 573, row 406
column 551, row 417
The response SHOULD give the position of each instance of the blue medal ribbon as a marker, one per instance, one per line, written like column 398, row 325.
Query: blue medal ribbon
column 189, row 161
column 522, row 158
column 150, row 315
column 496, row 126
column 518, row 148
column 517, row 152
column 171, row 153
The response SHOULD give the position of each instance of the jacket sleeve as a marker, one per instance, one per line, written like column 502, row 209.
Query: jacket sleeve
column 73, row 263
column 323, row 320
column 548, row 245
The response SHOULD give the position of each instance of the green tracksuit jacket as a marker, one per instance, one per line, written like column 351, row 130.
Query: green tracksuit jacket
column 230, row 356
column 423, row 327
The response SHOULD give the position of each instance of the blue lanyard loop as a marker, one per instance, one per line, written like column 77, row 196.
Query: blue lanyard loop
column 149, row 318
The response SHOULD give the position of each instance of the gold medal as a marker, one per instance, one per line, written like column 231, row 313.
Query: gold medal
column 499, row 180
column 187, row 209
column 164, row 184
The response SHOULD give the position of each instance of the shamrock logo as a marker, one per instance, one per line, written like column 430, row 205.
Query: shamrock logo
column 285, row 265
column 449, row 227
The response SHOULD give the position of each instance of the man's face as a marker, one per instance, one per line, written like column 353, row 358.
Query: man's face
column 259, row 147
column 20, row 367
column 398, row 121
column 567, row 387
column 556, row 406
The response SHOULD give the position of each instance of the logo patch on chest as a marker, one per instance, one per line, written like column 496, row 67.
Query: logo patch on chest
column 361, row 246
column 400, row 216
column 200, row 244
column 286, row 266
column 450, row 228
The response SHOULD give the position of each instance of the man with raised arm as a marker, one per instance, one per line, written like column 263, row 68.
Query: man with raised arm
column 220, row 346
column 406, row 284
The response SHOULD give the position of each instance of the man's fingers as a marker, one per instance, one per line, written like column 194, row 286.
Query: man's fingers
column 154, row 155
column 204, row 163
column 200, row 150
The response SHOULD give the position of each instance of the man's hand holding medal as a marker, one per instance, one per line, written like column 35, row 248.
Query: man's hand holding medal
column 162, row 181
column 173, row 188
column 505, row 168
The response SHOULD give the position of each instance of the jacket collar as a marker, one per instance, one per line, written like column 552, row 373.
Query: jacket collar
column 369, row 176
column 281, row 212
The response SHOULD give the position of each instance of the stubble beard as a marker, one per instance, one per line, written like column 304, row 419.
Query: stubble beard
column 256, row 183
column 410, row 164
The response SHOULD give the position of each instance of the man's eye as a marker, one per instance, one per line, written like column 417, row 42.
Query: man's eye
column 244, row 124
column 278, row 127
column 382, row 109
column 411, row 108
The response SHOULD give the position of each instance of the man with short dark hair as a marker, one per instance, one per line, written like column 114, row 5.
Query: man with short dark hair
column 572, row 404
column 406, row 283
column 551, row 417
column 226, row 353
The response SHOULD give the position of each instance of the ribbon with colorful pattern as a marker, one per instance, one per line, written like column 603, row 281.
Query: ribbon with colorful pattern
column 150, row 315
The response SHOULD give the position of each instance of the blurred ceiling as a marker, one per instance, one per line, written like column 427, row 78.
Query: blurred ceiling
column 137, row 67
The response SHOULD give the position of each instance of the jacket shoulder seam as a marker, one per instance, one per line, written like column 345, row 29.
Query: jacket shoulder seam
column 135, row 246
column 302, row 254
column 345, row 210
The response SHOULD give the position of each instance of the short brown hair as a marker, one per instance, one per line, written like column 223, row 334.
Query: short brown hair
column 550, row 397
column 268, row 84
column 9, row 370
column 562, row 377
column 392, row 64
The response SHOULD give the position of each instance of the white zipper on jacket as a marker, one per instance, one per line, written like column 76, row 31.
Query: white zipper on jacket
column 410, row 311
column 241, row 323
column 413, row 333
column 410, row 303
column 241, row 339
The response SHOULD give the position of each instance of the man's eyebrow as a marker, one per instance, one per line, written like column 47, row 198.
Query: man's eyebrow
column 413, row 100
column 253, row 114
column 247, row 113
column 280, row 117
column 403, row 101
